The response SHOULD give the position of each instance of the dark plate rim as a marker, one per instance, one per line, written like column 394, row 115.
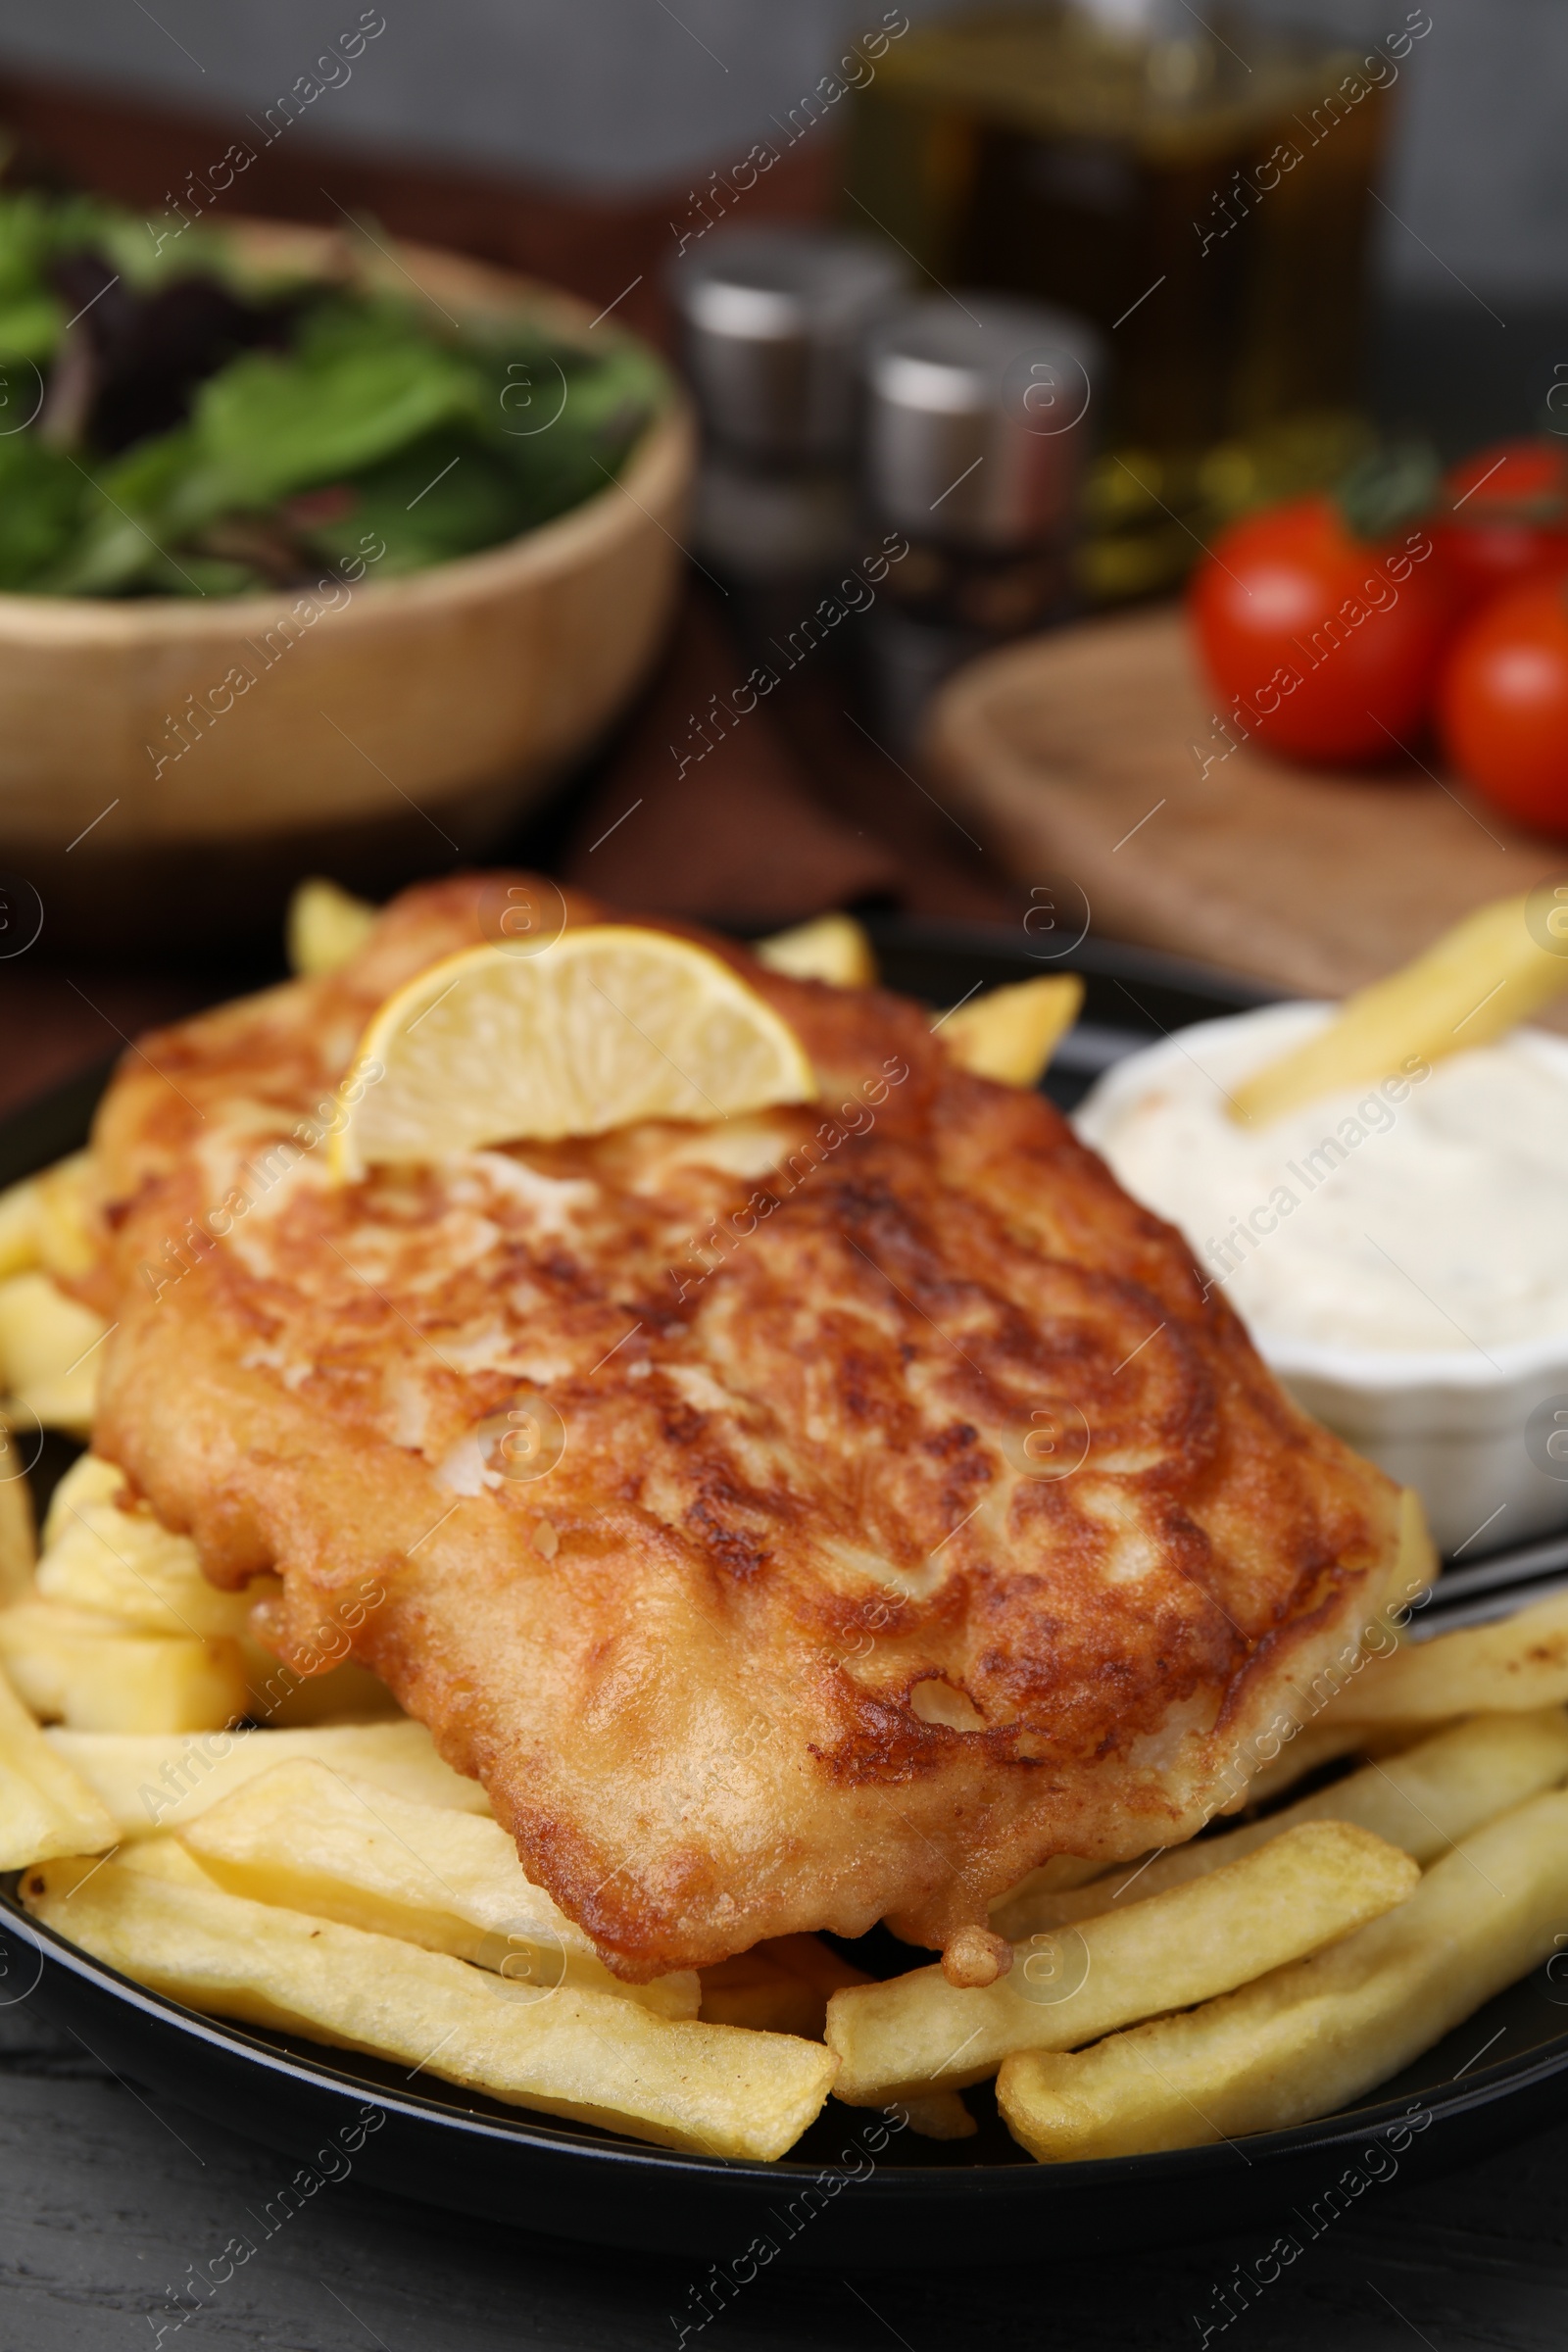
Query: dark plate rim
column 1341, row 2130
column 34, row 1132
column 1094, row 954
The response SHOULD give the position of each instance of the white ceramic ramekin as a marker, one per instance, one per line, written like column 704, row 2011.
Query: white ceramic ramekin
column 1479, row 1436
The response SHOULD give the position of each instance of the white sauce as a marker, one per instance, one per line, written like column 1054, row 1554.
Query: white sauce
column 1427, row 1213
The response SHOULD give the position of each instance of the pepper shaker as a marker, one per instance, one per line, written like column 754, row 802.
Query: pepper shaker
column 979, row 418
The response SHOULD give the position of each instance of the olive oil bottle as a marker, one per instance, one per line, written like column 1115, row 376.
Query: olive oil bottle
column 1197, row 187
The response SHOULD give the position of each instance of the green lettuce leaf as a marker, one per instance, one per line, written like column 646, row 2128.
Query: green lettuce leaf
column 41, row 496
column 359, row 386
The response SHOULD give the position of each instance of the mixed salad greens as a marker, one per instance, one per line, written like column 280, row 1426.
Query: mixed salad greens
column 181, row 425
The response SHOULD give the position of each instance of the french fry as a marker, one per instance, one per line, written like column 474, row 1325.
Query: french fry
column 68, row 1402
column 1010, row 1033
column 940, row 2115
column 18, row 1551
column 781, row 1986
column 1315, row 1744
column 1481, row 979
column 1423, row 1801
column 89, row 1486
column 1317, row 2036
column 94, row 1675
column 43, row 1333
column 831, row 948
column 47, row 1354
column 46, row 1220
column 1429, row 1794
column 46, row 1807
column 1516, row 1664
column 324, row 926
column 312, row 1838
column 163, row 1858
column 918, row 2032
column 590, row 2055
column 18, row 1227
column 123, row 1564
column 64, row 1218
column 1058, row 1875
column 1061, row 1873
column 152, row 1784
column 286, row 1701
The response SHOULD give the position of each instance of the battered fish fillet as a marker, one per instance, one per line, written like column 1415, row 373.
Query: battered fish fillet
column 918, row 1516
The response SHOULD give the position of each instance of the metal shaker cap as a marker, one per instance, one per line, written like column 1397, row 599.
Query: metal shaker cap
column 978, row 418
column 773, row 320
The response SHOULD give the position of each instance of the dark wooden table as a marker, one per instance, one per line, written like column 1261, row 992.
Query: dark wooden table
column 106, row 2200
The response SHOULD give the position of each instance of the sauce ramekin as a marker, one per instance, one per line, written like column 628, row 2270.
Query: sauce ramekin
column 1480, row 1435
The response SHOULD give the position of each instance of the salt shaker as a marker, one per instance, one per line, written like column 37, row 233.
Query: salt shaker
column 773, row 320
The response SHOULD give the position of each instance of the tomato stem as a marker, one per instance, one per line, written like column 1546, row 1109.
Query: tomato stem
column 1390, row 486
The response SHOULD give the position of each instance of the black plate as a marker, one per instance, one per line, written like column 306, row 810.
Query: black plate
column 853, row 2191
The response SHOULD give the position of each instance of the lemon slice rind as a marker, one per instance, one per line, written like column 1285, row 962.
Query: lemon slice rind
column 608, row 1025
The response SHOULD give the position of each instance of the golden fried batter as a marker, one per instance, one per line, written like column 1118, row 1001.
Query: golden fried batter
column 916, row 1516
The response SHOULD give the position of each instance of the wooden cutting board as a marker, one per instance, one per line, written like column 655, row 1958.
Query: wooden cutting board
column 1081, row 755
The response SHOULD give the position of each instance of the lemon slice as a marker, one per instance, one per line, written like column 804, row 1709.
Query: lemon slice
column 606, row 1025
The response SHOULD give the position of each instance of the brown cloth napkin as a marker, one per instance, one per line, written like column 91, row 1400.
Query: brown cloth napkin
column 796, row 809
column 732, row 832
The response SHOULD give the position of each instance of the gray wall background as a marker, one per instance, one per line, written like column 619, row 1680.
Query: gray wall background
column 626, row 94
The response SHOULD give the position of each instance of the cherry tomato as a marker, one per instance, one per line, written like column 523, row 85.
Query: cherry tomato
column 1504, row 704
column 1327, row 645
column 1507, row 517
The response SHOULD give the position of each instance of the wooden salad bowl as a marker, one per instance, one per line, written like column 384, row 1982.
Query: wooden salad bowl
column 388, row 727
